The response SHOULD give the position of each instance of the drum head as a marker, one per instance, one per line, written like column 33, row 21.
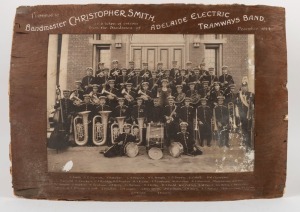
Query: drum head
column 175, row 149
column 131, row 149
column 155, row 153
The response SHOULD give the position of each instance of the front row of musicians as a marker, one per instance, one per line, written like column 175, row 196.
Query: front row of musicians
column 212, row 122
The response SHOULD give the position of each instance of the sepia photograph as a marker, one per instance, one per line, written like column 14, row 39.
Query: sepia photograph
column 150, row 103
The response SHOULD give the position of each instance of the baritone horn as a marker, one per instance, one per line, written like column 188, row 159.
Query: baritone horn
column 81, row 134
column 137, row 130
column 117, row 128
column 100, row 128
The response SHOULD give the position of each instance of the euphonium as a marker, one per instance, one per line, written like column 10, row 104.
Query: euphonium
column 100, row 129
column 81, row 129
column 138, row 134
column 117, row 128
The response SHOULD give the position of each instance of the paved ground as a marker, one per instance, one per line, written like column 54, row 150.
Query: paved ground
column 214, row 159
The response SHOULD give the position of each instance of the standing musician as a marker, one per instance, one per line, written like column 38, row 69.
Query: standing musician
column 102, row 78
column 88, row 81
column 136, row 80
column 225, row 79
column 214, row 94
column 146, row 95
column 203, row 71
column 154, row 82
column 102, row 104
column 156, row 112
column 174, row 72
column 171, row 120
column 118, row 149
column 186, row 114
column 130, row 70
column 186, row 140
column 67, row 109
column 100, row 68
column 193, row 93
column 179, row 96
column 138, row 110
column 189, row 69
column 204, row 90
column 231, row 96
column 115, row 71
column 94, row 94
column 160, row 71
column 77, row 93
column 221, row 114
column 245, row 104
column 111, row 94
column 129, row 95
column 196, row 77
column 211, row 77
column 183, row 80
column 145, row 73
column 121, row 110
column 164, row 92
column 204, row 114
column 122, row 79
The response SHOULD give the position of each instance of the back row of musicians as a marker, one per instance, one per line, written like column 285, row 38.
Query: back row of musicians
column 166, row 96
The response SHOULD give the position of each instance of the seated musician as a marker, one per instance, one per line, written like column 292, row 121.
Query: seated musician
column 192, row 92
column 136, row 80
column 118, row 149
column 130, row 70
column 94, row 94
column 204, row 90
column 183, row 79
column 225, row 79
column 222, row 121
column 102, row 104
column 186, row 114
column 146, row 95
column 138, row 110
column 204, row 114
column 171, row 120
column 77, row 93
column 160, row 71
column 100, row 68
column 186, row 140
column 156, row 112
column 115, row 71
column 121, row 110
column 196, row 77
column 216, row 91
column 211, row 77
column 145, row 73
column 203, row 71
column 174, row 70
column 122, row 79
column 112, row 94
column 179, row 96
column 129, row 95
column 88, row 81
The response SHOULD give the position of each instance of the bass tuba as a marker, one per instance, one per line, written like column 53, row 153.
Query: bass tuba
column 137, row 130
column 100, row 128
column 81, row 133
column 117, row 128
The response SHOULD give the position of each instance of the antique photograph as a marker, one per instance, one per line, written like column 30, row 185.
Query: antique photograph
column 150, row 103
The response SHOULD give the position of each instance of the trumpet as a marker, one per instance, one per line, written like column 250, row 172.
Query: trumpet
column 144, row 95
column 128, row 96
column 146, row 74
column 116, row 73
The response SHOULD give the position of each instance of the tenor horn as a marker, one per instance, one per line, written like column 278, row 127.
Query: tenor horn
column 138, row 133
column 100, row 128
column 117, row 128
column 81, row 134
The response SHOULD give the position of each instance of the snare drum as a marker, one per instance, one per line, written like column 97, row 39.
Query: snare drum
column 131, row 149
column 155, row 153
column 176, row 149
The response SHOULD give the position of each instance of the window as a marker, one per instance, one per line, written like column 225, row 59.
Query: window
column 103, row 54
column 212, row 56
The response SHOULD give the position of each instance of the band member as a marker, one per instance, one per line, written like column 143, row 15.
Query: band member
column 88, row 81
column 146, row 95
column 231, row 96
column 67, row 109
column 174, row 72
column 222, row 121
column 77, row 93
column 94, row 94
column 225, row 79
column 214, row 94
column 245, row 106
column 171, row 120
column 204, row 90
column 196, row 77
column 154, row 82
column 186, row 114
column 160, row 71
column 122, row 79
column 186, row 140
column 145, row 73
column 211, row 77
column 115, row 71
column 112, row 93
column 179, row 96
column 203, row 71
column 118, row 149
column 137, row 80
column 189, row 69
column 183, row 80
column 102, row 104
column 204, row 114
column 121, row 110
column 130, row 70
column 138, row 110
column 164, row 92
column 100, row 68
column 102, row 78
column 129, row 95
column 155, row 112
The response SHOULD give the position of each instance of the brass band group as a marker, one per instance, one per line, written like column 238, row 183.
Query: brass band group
column 181, row 109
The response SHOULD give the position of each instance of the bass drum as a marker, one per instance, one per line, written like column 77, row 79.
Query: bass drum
column 131, row 149
column 155, row 153
column 176, row 149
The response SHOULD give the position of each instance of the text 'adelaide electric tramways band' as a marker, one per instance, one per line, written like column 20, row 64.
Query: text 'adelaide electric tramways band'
column 184, row 108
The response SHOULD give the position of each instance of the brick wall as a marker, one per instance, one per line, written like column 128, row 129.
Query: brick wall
column 235, row 56
column 80, row 56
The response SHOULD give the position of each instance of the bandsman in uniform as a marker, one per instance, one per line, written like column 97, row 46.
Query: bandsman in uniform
column 174, row 72
column 112, row 93
column 138, row 110
column 129, row 95
column 205, row 90
column 102, row 105
column 203, row 71
column 121, row 110
column 122, row 79
column 211, row 77
column 171, row 120
column 164, row 92
column 77, row 93
column 94, row 94
column 187, row 141
column 160, row 71
column 196, row 77
column 145, row 73
column 88, row 81
column 186, row 114
column 225, row 79
column 179, row 96
column 222, row 121
column 146, row 95
column 214, row 94
column 156, row 112
column 137, row 80
column 189, row 69
column 154, row 83
column 193, row 94
column 231, row 96
column 100, row 68
column 204, row 114
column 183, row 80
column 130, row 70
column 115, row 71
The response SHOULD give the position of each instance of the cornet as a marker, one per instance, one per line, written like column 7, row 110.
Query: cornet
column 128, row 96
column 109, row 93
column 144, row 95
